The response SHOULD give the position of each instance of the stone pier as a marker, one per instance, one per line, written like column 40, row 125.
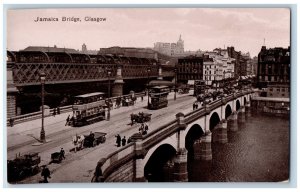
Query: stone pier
column 180, row 173
column 202, row 148
column 117, row 89
column 233, row 122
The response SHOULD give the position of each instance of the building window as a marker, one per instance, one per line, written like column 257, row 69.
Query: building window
column 271, row 89
column 282, row 95
column 278, row 90
column 283, row 89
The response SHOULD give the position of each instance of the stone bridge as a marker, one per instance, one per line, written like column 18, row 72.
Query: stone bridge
column 173, row 144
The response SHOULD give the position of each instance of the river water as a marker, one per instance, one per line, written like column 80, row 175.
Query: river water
column 257, row 152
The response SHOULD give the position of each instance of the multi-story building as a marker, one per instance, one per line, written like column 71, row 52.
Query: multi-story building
column 244, row 64
column 172, row 49
column 237, row 56
column 190, row 68
column 86, row 51
column 274, row 71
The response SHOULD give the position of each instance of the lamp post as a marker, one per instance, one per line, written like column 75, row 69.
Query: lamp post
column 175, row 89
column 108, row 111
column 148, row 71
column 43, row 134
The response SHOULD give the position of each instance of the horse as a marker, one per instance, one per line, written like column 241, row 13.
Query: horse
column 77, row 141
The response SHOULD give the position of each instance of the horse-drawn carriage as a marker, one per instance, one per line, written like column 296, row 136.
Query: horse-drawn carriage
column 127, row 102
column 141, row 117
column 91, row 140
column 94, row 139
column 23, row 166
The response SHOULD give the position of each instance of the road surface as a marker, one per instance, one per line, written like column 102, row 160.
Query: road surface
column 79, row 167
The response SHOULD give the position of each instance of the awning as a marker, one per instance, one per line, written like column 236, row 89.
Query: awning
column 161, row 82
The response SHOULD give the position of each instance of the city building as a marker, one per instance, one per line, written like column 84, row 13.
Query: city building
column 190, row 68
column 273, row 71
column 237, row 56
column 172, row 49
column 88, row 52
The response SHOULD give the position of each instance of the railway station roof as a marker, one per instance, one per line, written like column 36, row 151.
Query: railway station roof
column 50, row 50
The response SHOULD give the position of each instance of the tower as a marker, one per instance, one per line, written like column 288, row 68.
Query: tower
column 180, row 46
column 84, row 49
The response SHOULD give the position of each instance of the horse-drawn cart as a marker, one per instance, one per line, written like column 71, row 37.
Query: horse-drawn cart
column 141, row 117
column 23, row 166
column 94, row 139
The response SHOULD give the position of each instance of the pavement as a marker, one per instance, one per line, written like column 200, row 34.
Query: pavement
column 79, row 166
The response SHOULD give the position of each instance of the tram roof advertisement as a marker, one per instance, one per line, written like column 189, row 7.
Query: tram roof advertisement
column 112, row 94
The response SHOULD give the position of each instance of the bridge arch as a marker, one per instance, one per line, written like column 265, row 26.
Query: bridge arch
column 238, row 105
column 214, row 120
column 194, row 133
column 228, row 111
column 154, row 168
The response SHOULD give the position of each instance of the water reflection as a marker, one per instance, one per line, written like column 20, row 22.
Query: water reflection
column 257, row 152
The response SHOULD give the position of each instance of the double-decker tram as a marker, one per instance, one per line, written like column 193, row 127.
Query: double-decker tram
column 88, row 108
column 158, row 97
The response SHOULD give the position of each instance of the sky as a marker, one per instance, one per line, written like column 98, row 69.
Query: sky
column 200, row 28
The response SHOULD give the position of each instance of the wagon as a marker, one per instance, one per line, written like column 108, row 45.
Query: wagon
column 140, row 117
column 56, row 157
column 23, row 166
column 94, row 139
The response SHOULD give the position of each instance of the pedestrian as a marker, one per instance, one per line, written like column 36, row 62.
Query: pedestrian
column 129, row 140
column 67, row 120
column 54, row 112
column 45, row 173
column 58, row 110
column 194, row 106
column 62, row 153
column 124, row 141
column 11, row 122
column 142, row 98
column 118, row 141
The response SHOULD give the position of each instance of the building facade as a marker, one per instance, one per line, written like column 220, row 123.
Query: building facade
column 190, row 68
column 172, row 49
column 273, row 71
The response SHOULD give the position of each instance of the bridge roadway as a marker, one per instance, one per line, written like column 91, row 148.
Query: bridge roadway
column 79, row 167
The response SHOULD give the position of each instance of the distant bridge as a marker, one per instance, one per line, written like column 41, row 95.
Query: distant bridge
column 188, row 136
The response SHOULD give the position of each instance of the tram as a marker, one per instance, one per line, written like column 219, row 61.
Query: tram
column 158, row 95
column 88, row 108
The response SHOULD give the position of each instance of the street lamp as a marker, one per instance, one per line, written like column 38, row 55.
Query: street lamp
column 175, row 90
column 108, row 111
column 43, row 134
column 148, row 71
